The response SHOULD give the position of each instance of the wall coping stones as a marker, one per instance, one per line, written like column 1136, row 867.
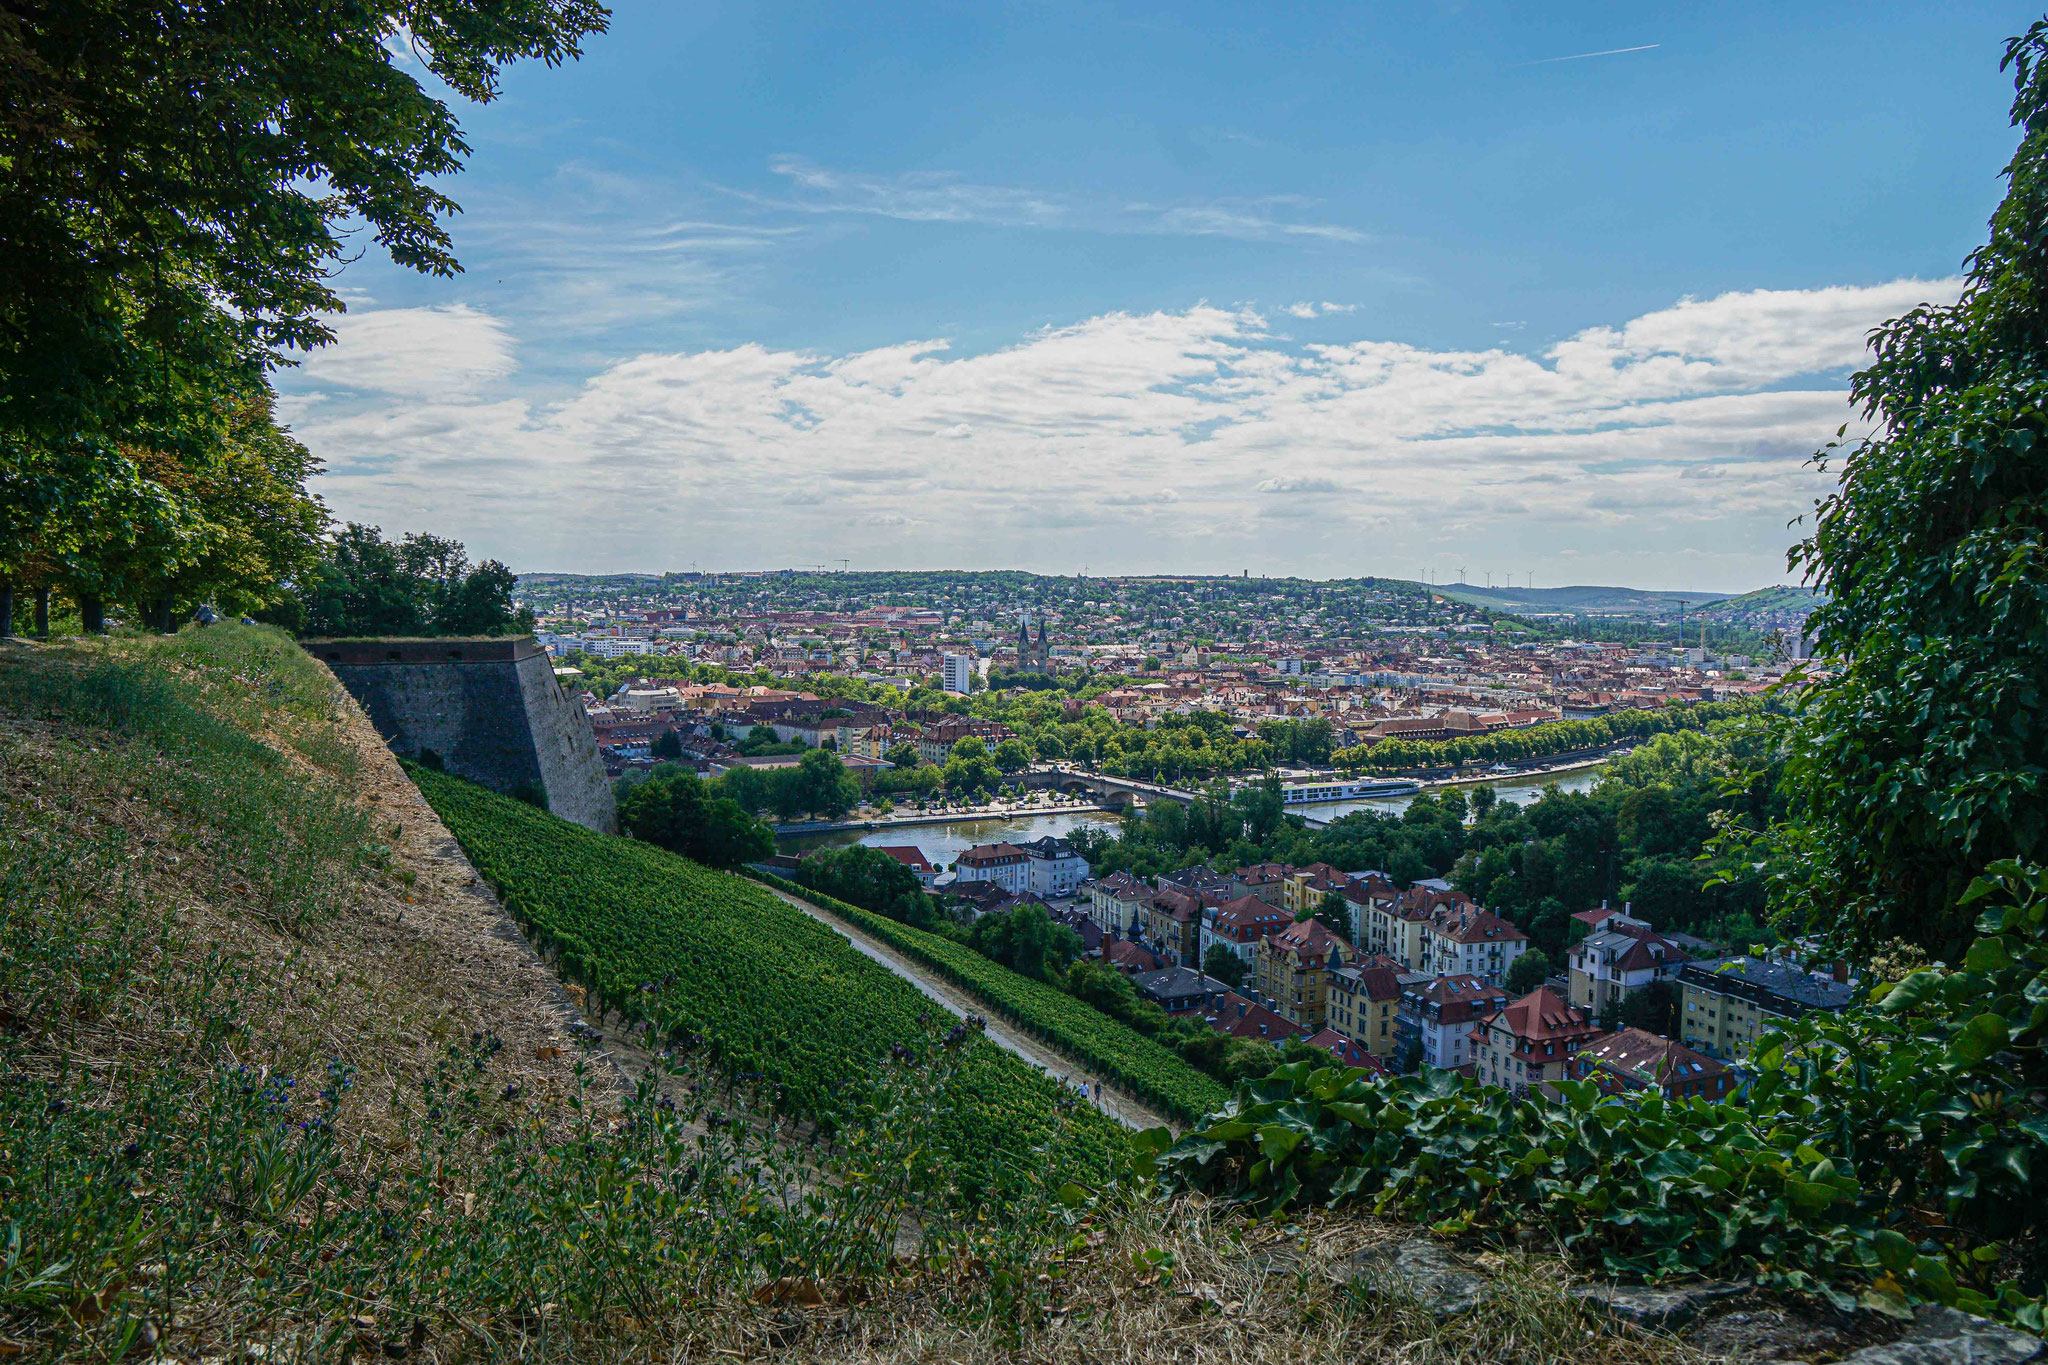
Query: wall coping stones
column 448, row 650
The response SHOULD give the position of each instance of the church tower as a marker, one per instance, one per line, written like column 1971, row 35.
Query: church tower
column 1032, row 656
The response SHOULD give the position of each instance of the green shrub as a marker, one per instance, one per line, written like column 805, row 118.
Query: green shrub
column 1881, row 1155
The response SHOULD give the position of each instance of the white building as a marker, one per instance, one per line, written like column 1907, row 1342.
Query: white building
column 958, row 673
column 1436, row 1019
column 1004, row 864
column 1472, row 941
column 1052, row 867
column 612, row 647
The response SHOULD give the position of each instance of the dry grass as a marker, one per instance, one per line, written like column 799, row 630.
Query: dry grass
column 1228, row 1289
column 417, row 953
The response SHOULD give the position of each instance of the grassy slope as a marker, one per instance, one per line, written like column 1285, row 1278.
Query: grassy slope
column 1782, row 598
column 770, row 990
column 259, row 1081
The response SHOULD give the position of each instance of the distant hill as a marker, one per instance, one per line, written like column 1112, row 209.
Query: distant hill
column 1772, row 605
column 1581, row 600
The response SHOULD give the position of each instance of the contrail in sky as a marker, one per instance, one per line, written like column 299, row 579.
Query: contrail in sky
column 1581, row 56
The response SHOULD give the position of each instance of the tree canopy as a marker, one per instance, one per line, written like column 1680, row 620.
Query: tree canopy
column 180, row 181
column 1922, row 760
column 676, row 811
column 362, row 584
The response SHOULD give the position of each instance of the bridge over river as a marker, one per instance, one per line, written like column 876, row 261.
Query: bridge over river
column 1110, row 788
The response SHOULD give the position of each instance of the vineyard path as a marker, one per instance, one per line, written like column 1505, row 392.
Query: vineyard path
column 954, row 1000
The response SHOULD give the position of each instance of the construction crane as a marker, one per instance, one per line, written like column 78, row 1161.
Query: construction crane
column 843, row 561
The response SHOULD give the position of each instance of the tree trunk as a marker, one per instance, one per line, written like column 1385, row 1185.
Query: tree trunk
column 42, row 613
column 6, row 606
column 160, row 617
column 93, row 612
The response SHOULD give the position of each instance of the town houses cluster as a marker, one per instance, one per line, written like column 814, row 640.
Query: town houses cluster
column 1414, row 976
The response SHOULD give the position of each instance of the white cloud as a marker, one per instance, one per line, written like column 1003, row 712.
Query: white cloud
column 451, row 351
column 1299, row 310
column 944, row 197
column 1129, row 441
column 1291, row 483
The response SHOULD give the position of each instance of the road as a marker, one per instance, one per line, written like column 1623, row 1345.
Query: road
column 960, row 1003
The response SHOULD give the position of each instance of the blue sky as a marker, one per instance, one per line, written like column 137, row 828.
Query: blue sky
column 1310, row 289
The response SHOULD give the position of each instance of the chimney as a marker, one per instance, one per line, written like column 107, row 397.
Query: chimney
column 1841, row 971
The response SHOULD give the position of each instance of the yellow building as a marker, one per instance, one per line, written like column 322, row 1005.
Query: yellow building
column 1305, row 887
column 1363, row 1003
column 1294, row 969
column 1725, row 1006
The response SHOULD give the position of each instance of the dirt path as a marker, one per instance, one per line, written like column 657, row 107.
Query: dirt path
column 956, row 1001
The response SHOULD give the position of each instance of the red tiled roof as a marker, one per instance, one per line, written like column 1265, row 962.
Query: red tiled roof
column 1249, row 913
column 1240, row 1018
column 1378, row 983
column 910, row 855
column 1471, row 924
column 1309, row 940
column 1540, row 1017
column 1649, row 1059
column 1121, row 952
column 992, row 853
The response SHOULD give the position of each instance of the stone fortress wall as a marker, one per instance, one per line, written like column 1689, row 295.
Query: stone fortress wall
column 489, row 709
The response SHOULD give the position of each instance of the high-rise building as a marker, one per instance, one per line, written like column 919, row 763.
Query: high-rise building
column 958, row 673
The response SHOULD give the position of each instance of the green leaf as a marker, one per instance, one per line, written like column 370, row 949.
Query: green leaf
column 1987, row 955
column 1979, row 1038
column 1894, row 1252
column 1912, row 992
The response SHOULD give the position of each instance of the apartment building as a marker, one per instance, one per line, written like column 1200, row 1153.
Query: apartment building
column 1620, row 957
column 1119, row 902
column 1004, row 865
column 1530, row 1040
column 1435, row 1024
column 1294, row 967
column 1725, row 1006
column 1240, row 925
column 1052, row 867
column 1364, row 1004
column 1469, row 940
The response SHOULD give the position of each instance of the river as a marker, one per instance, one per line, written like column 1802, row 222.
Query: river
column 944, row 843
column 1522, row 791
